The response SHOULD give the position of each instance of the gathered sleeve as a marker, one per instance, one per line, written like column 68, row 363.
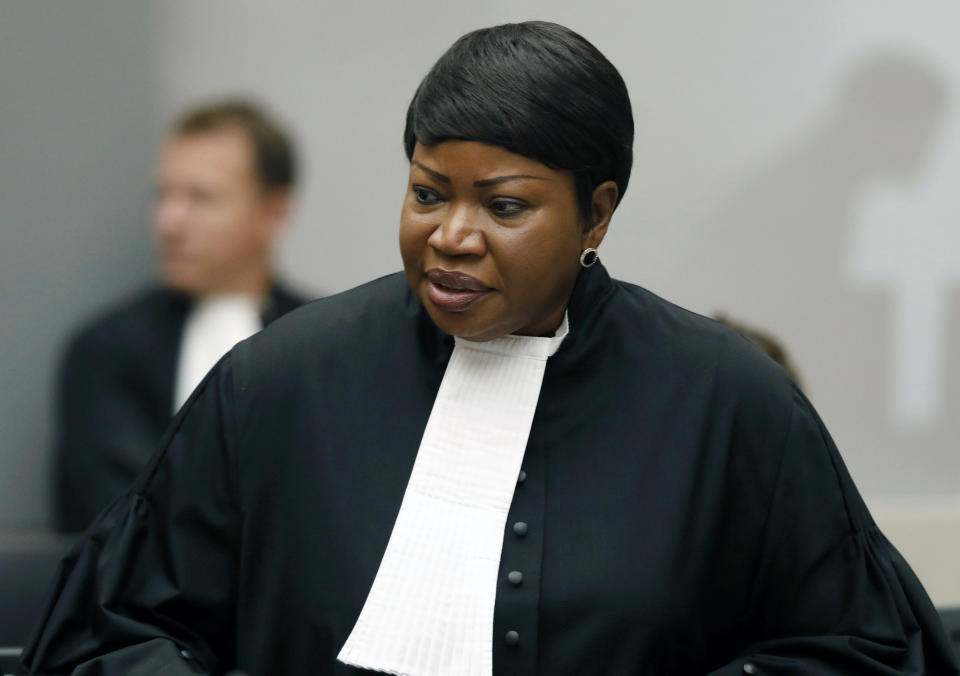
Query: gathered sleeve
column 151, row 586
column 830, row 594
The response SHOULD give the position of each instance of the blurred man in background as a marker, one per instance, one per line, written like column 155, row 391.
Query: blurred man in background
column 224, row 181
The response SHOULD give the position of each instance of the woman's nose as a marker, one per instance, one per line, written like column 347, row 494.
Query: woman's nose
column 459, row 233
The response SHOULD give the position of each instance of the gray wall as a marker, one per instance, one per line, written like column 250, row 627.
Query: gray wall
column 77, row 131
column 796, row 167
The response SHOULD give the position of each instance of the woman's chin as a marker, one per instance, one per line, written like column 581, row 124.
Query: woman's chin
column 467, row 324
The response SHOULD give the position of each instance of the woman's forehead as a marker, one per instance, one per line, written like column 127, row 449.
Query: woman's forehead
column 476, row 162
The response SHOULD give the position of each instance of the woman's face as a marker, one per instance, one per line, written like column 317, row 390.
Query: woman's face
column 490, row 240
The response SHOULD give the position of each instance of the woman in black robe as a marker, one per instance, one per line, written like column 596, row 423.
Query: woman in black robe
column 679, row 507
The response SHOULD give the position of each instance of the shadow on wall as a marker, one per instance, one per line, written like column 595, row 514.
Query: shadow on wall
column 789, row 225
column 778, row 252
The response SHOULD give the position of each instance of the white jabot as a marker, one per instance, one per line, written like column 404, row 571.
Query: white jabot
column 214, row 325
column 430, row 609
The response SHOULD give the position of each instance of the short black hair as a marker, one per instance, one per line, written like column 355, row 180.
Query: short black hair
column 537, row 89
column 274, row 160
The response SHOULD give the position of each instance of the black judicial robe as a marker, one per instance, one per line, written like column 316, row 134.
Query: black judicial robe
column 115, row 398
column 685, row 510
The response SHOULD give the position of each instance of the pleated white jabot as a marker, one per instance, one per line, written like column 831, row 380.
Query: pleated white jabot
column 213, row 325
column 430, row 609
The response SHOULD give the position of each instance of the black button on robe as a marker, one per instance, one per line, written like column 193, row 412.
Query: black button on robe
column 686, row 511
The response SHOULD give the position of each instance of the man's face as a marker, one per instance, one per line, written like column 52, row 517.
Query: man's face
column 213, row 222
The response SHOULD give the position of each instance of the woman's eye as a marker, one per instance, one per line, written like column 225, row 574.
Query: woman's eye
column 425, row 195
column 504, row 208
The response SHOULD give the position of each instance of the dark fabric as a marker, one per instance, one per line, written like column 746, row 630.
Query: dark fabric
column 28, row 559
column 685, row 510
column 115, row 399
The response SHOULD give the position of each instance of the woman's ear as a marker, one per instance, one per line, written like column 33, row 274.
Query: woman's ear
column 604, row 202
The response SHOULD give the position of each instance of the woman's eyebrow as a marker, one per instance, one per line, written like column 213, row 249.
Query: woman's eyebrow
column 503, row 179
column 435, row 174
column 482, row 183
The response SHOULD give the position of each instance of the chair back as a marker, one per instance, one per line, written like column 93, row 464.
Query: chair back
column 9, row 661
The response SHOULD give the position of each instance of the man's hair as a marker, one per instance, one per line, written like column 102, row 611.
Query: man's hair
column 537, row 89
column 273, row 157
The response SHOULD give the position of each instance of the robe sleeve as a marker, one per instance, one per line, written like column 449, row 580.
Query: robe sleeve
column 151, row 586
column 830, row 594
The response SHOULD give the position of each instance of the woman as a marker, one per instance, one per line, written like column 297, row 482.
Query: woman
column 504, row 463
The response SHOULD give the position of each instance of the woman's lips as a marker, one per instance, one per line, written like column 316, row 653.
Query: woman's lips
column 454, row 291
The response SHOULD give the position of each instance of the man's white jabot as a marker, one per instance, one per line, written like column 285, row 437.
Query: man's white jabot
column 430, row 609
column 214, row 325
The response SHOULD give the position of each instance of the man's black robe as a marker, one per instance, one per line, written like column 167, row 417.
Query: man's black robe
column 685, row 510
column 115, row 398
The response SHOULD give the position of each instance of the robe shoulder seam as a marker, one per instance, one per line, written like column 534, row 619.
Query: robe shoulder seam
column 768, row 519
column 854, row 525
